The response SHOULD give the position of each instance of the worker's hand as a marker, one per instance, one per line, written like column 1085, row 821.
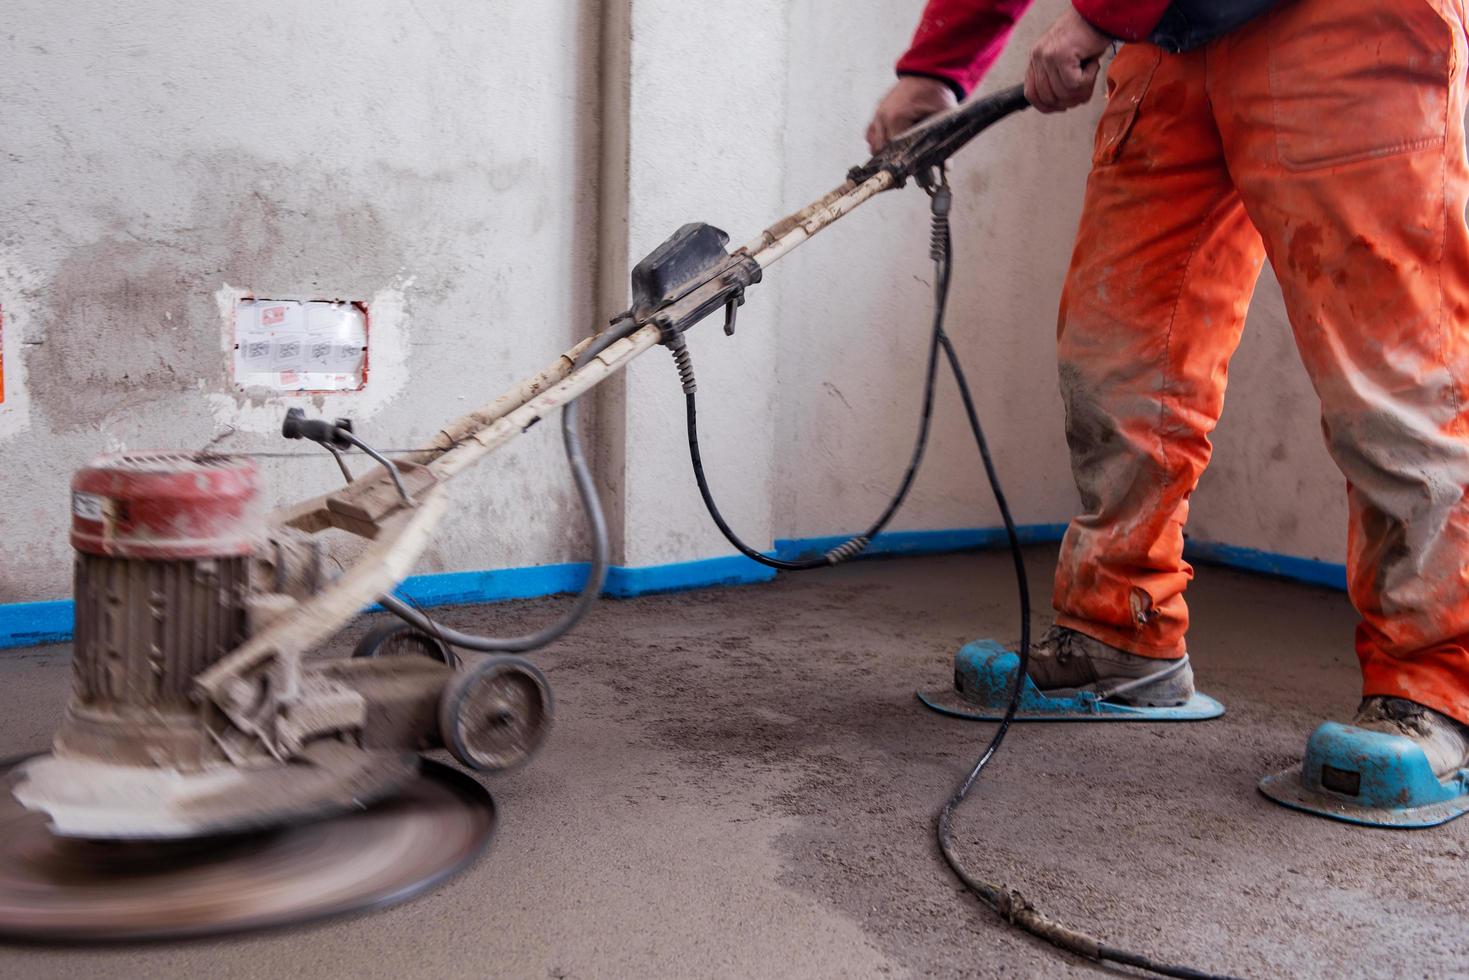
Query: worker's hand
column 1064, row 63
column 910, row 101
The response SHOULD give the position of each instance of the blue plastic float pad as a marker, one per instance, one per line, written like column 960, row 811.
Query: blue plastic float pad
column 984, row 672
column 1370, row 778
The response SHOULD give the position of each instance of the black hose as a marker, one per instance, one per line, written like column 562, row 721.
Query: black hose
column 1008, row 903
column 586, row 489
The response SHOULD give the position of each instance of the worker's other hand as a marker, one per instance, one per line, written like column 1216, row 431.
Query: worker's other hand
column 907, row 103
column 1064, row 63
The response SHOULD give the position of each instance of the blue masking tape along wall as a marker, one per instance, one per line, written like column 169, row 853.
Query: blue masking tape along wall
column 24, row 624
column 924, row 542
column 31, row 623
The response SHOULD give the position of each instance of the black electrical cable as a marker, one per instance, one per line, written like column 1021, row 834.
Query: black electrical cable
column 586, row 489
column 1006, row 901
column 852, row 546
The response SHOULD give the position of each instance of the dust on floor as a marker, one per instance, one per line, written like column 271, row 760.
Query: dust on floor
column 742, row 784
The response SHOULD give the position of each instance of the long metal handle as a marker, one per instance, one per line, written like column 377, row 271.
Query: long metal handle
column 924, row 146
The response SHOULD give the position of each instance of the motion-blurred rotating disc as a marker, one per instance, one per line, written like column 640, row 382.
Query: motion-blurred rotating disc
column 61, row 889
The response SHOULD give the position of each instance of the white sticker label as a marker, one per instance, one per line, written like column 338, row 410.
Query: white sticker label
column 289, row 345
column 89, row 506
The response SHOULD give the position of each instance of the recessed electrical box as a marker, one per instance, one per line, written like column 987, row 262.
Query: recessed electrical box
column 289, row 345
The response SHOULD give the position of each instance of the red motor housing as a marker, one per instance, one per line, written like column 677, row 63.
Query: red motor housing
column 164, row 546
column 166, row 506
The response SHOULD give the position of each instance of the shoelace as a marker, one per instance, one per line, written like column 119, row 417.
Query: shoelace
column 1062, row 641
column 1406, row 714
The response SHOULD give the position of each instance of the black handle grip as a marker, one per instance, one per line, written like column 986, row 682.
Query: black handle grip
column 298, row 426
column 939, row 137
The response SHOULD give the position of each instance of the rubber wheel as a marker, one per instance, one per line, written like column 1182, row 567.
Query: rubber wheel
column 401, row 639
column 494, row 714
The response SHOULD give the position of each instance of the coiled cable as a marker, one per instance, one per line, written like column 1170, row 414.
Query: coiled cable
column 854, row 545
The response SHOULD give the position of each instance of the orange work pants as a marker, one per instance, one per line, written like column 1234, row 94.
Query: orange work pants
column 1327, row 136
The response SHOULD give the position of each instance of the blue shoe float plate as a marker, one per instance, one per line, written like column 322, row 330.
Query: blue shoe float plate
column 984, row 672
column 1368, row 778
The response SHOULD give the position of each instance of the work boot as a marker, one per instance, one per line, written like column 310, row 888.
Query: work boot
column 1065, row 661
column 1444, row 740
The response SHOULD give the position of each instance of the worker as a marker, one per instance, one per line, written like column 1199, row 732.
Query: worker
column 1328, row 137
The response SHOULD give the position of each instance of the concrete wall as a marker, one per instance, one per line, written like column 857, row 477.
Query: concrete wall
column 854, row 318
column 855, row 314
column 438, row 160
column 482, row 172
column 705, row 141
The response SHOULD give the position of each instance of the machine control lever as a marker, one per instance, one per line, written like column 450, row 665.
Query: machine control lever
column 334, row 437
column 689, row 277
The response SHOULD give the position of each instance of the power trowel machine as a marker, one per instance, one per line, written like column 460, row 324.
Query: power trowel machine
column 207, row 776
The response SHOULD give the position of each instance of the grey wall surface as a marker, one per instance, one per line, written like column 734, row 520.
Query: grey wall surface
column 854, row 321
column 438, row 160
column 854, row 316
column 481, row 172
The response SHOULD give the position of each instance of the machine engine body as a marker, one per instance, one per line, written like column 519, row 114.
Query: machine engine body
column 178, row 568
column 164, row 546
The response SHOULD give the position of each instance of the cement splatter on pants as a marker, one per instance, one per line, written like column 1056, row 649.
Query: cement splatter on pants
column 1328, row 137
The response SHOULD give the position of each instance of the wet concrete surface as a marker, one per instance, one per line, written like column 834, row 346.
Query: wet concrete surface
column 741, row 784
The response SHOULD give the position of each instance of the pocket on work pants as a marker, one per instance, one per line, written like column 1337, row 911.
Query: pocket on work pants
column 1351, row 80
column 1128, row 78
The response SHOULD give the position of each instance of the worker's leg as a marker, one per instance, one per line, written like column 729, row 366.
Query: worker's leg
column 1164, row 266
column 1343, row 122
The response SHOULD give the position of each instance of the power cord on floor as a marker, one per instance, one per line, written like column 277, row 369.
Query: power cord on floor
column 1007, row 902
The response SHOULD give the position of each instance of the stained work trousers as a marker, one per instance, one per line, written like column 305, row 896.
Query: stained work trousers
column 1328, row 137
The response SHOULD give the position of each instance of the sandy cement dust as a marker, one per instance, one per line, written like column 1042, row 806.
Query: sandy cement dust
column 741, row 784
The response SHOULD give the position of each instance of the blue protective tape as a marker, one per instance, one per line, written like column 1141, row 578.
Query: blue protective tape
column 922, row 542
column 624, row 582
column 30, row 623
column 24, row 624
column 494, row 585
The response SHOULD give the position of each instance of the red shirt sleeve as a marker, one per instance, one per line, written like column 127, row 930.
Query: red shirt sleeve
column 958, row 40
column 1130, row 20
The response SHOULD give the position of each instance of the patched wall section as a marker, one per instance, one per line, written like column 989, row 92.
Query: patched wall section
column 438, row 162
